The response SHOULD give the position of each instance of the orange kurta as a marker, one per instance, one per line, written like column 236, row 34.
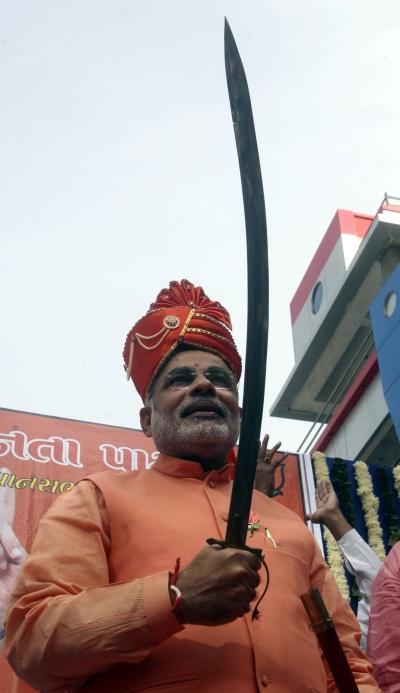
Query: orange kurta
column 92, row 610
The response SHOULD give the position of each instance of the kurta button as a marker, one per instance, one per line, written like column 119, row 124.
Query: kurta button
column 225, row 517
column 264, row 680
column 211, row 484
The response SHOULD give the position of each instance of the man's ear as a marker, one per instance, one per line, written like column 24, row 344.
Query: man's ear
column 145, row 421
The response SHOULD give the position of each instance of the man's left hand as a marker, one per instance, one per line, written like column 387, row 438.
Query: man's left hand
column 267, row 462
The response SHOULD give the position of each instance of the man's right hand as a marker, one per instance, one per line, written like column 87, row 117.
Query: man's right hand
column 218, row 586
column 328, row 511
column 326, row 501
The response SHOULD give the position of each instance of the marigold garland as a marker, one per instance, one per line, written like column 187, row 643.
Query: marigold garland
column 387, row 512
column 334, row 555
column 370, row 505
column 396, row 478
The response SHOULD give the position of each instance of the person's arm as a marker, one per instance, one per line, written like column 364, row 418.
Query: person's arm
column 346, row 627
column 361, row 561
column 67, row 622
column 328, row 511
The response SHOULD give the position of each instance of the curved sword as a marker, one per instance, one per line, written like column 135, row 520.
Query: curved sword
column 257, row 334
column 257, row 294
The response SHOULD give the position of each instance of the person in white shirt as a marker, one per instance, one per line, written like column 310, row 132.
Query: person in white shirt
column 360, row 560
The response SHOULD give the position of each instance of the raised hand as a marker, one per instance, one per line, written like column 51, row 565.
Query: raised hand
column 328, row 511
column 267, row 462
column 12, row 553
column 326, row 501
column 218, row 586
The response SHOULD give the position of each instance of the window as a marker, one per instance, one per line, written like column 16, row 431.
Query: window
column 389, row 305
column 316, row 298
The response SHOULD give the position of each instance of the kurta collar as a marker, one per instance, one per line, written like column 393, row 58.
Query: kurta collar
column 174, row 466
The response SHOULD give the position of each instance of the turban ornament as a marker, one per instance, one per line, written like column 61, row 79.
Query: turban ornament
column 181, row 314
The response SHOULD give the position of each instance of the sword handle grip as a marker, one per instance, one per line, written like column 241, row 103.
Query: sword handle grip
column 229, row 545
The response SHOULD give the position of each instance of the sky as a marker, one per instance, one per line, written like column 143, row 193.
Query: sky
column 118, row 173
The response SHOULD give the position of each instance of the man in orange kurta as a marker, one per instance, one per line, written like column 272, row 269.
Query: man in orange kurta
column 102, row 605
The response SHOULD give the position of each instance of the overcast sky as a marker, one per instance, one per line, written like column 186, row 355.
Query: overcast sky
column 118, row 173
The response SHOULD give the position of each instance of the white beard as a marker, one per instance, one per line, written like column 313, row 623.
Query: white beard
column 193, row 438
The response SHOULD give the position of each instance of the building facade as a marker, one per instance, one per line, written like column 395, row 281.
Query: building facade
column 345, row 316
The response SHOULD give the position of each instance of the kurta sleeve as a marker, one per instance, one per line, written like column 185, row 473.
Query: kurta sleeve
column 66, row 622
column 384, row 625
column 363, row 563
column 346, row 626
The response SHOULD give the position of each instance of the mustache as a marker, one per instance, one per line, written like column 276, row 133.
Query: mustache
column 204, row 404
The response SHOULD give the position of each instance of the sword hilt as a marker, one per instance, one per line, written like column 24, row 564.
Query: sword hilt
column 224, row 544
column 232, row 544
column 233, row 539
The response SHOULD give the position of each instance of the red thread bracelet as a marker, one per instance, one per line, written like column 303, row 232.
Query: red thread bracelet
column 172, row 586
column 175, row 574
column 178, row 596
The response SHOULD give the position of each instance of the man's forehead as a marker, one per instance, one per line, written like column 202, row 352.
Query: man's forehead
column 194, row 358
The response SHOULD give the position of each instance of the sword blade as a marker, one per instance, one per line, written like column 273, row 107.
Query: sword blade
column 257, row 294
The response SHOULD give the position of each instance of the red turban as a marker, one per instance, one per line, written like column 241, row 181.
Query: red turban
column 180, row 314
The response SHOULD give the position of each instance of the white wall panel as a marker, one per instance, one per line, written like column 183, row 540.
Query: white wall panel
column 362, row 422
